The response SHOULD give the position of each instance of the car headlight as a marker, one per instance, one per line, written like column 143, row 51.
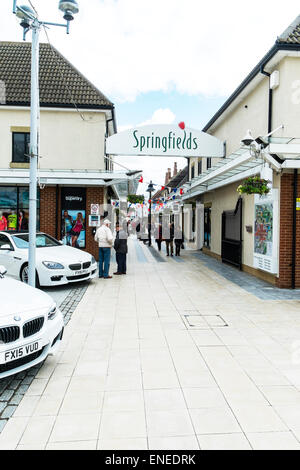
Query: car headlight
column 93, row 261
column 53, row 265
column 52, row 313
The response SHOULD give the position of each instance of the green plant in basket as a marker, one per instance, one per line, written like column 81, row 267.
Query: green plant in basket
column 254, row 185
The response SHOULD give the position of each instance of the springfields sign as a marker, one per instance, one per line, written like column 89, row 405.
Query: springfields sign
column 165, row 141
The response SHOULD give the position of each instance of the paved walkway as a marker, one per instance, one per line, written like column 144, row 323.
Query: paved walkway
column 171, row 356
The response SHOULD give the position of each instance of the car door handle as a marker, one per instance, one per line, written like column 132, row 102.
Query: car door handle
column 19, row 259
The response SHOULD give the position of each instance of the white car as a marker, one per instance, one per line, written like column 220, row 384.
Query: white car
column 31, row 326
column 56, row 264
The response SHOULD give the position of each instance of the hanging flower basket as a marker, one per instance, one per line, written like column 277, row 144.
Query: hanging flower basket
column 254, row 185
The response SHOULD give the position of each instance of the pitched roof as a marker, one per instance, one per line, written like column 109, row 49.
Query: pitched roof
column 176, row 182
column 292, row 34
column 61, row 84
column 179, row 179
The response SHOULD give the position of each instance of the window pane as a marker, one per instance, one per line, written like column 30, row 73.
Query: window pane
column 20, row 147
column 8, row 207
column 23, row 219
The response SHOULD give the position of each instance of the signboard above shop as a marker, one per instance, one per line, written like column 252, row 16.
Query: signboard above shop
column 165, row 141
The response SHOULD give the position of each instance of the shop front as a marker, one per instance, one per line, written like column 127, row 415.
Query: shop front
column 64, row 203
column 14, row 208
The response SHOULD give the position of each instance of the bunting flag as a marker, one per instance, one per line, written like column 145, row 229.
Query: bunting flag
column 175, row 190
column 141, row 180
column 181, row 192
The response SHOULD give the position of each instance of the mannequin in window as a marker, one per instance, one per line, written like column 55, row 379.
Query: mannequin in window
column 12, row 221
column 23, row 221
column 3, row 222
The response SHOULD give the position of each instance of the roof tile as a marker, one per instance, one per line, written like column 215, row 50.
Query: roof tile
column 61, row 84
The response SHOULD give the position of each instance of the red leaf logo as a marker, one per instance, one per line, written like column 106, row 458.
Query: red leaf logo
column 182, row 125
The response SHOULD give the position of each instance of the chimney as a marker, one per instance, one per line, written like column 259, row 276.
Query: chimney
column 168, row 176
column 175, row 169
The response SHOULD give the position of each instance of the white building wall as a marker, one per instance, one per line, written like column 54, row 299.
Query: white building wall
column 66, row 141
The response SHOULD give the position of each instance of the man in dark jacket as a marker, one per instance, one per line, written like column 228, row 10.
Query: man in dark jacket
column 121, row 248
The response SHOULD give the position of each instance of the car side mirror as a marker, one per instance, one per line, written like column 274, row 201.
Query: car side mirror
column 6, row 247
column 3, row 270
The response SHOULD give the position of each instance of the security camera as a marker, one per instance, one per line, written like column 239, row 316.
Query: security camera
column 248, row 139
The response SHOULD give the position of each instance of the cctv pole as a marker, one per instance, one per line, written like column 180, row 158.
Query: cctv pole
column 34, row 137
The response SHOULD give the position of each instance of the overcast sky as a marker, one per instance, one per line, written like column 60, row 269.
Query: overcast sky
column 163, row 61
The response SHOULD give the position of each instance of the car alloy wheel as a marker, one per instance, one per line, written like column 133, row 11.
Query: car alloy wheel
column 25, row 275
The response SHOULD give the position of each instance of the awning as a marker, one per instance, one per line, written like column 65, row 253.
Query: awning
column 71, row 177
column 242, row 164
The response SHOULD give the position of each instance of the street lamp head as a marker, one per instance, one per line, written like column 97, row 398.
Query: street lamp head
column 26, row 15
column 150, row 188
column 69, row 8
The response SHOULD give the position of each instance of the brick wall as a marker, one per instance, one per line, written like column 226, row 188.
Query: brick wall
column 286, row 233
column 48, row 210
column 94, row 195
column 49, row 220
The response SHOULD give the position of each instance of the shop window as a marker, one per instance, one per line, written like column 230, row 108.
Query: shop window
column 14, row 208
column 73, row 221
column 208, row 163
column 20, row 147
column 199, row 167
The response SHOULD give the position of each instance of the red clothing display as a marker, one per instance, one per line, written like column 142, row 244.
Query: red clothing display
column 3, row 223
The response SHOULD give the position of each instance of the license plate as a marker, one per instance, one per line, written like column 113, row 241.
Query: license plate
column 83, row 271
column 21, row 351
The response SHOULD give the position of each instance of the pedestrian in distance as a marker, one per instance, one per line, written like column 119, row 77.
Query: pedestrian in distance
column 178, row 240
column 170, row 239
column 121, row 247
column 104, row 237
column 158, row 236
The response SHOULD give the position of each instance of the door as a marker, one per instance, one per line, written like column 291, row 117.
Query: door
column 232, row 235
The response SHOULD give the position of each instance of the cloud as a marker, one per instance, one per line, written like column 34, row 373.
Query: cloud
column 129, row 47
column 160, row 116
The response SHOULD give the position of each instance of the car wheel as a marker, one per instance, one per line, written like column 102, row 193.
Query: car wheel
column 24, row 276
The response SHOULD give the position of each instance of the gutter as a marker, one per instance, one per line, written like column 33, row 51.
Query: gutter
column 260, row 66
column 270, row 111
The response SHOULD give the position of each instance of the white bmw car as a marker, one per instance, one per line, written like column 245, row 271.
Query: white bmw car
column 31, row 326
column 56, row 264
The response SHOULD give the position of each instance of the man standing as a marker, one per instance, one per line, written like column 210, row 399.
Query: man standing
column 169, row 241
column 121, row 248
column 104, row 237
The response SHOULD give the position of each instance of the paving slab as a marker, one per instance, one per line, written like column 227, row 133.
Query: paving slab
column 175, row 355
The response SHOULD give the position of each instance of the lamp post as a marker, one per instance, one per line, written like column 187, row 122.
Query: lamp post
column 30, row 21
column 150, row 190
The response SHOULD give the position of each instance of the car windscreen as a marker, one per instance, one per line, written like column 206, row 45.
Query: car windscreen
column 42, row 241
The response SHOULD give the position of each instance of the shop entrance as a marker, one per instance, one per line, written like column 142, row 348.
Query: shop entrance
column 232, row 233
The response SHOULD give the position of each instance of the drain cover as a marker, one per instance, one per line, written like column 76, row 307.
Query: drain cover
column 204, row 321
